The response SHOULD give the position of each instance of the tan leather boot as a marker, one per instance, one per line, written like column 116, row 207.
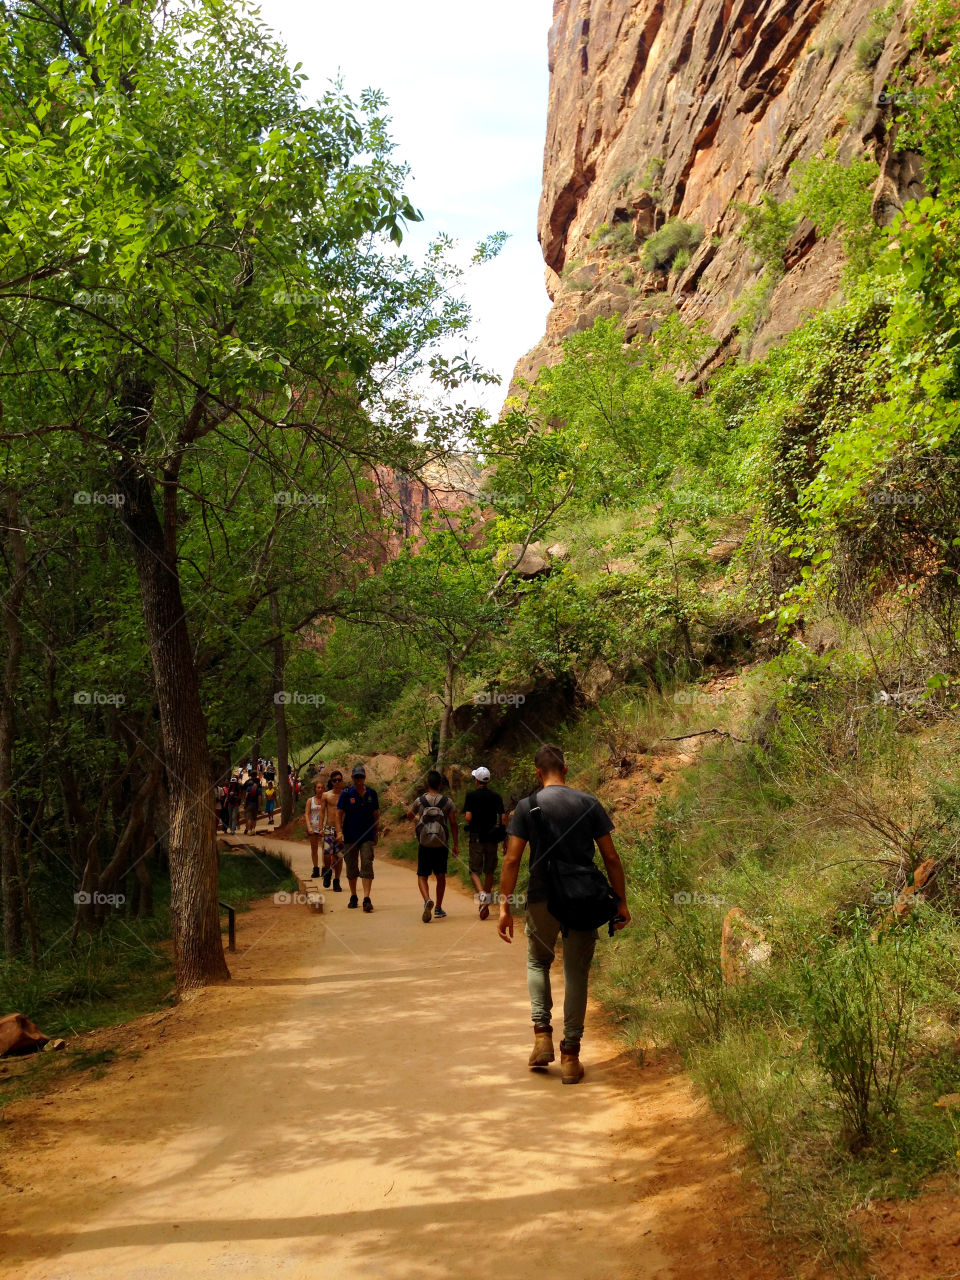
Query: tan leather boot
column 571, row 1071
column 543, row 1053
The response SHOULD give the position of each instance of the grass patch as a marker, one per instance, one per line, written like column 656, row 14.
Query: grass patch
column 117, row 975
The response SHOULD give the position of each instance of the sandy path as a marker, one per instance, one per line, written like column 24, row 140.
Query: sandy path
column 356, row 1104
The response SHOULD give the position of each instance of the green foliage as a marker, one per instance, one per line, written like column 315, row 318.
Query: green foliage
column 661, row 248
column 858, row 1001
column 768, row 228
column 837, row 196
column 870, row 47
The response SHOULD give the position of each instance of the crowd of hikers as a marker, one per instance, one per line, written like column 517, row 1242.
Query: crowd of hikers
column 251, row 790
column 567, row 894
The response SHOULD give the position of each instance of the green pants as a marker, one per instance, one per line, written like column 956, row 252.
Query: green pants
column 542, row 931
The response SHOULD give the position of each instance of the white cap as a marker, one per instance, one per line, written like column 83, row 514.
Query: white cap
column 481, row 774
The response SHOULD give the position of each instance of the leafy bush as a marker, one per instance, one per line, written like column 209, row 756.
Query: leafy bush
column 834, row 195
column 858, row 1004
column 662, row 247
column 870, row 47
column 768, row 228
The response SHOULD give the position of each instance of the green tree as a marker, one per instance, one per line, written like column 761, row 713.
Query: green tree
column 195, row 261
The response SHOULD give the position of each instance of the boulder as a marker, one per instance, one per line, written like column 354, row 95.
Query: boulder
column 743, row 948
column 559, row 551
column 19, row 1035
column 535, row 561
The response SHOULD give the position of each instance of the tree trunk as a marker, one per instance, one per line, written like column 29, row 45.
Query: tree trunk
column 280, row 712
column 194, row 910
column 11, row 889
column 446, row 717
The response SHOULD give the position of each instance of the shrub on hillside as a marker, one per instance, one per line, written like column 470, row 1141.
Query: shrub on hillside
column 662, row 248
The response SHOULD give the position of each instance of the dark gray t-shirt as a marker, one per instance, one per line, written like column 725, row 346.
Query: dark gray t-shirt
column 571, row 820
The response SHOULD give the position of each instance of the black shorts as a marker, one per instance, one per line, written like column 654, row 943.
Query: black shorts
column 431, row 862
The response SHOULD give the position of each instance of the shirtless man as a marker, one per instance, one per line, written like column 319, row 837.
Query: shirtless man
column 332, row 845
column 312, row 820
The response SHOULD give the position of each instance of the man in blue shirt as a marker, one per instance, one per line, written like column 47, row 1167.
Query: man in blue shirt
column 358, row 826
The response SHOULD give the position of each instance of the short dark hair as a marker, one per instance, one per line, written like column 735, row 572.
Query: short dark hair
column 549, row 759
column 434, row 780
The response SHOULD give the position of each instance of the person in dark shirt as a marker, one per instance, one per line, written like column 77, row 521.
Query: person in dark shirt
column 251, row 804
column 576, row 822
column 483, row 814
column 358, row 827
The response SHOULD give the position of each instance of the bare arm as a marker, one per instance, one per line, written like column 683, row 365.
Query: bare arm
column 508, row 883
column 618, row 882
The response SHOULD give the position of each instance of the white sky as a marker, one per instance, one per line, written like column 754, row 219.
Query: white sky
column 468, row 96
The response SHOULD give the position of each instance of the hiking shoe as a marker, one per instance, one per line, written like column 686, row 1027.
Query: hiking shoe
column 484, row 907
column 314, row 873
column 354, row 901
column 439, row 914
column 427, row 911
column 327, row 875
column 336, row 886
column 571, row 1072
column 543, row 1053
column 367, row 905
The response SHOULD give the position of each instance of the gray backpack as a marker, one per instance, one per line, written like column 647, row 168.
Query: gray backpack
column 432, row 827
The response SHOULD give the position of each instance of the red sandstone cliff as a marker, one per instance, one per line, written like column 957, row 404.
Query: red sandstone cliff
column 679, row 109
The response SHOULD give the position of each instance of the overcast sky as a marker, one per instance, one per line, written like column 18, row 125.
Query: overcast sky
column 468, row 94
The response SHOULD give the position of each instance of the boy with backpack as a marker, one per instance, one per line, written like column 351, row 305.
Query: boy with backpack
column 435, row 816
column 567, row 894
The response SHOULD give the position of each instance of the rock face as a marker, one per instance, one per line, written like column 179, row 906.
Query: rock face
column 442, row 488
column 679, row 109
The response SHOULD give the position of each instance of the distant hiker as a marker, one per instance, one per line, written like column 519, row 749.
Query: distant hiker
column 312, row 820
column 483, row 816
column 269, row 772
column 251, row 804
column 436, row 817
column 269, row 800
column 332, row 846
column 561, row 825
column 234, row 796
column 358, row 827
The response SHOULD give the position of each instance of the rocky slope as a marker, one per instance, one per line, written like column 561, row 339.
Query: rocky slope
column 664, row 109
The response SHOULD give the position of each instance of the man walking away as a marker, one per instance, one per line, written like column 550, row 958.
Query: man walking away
column 436, row 816
column 251, row 804
column 332, row 849
column 312, row 820
column 483, row 815
column 234, row 796
column 568, row 822
column 358, row 827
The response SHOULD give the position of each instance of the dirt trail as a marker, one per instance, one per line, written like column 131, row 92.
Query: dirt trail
column 356, row 1104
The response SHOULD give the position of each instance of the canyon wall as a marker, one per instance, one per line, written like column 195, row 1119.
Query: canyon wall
column 680, row 109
